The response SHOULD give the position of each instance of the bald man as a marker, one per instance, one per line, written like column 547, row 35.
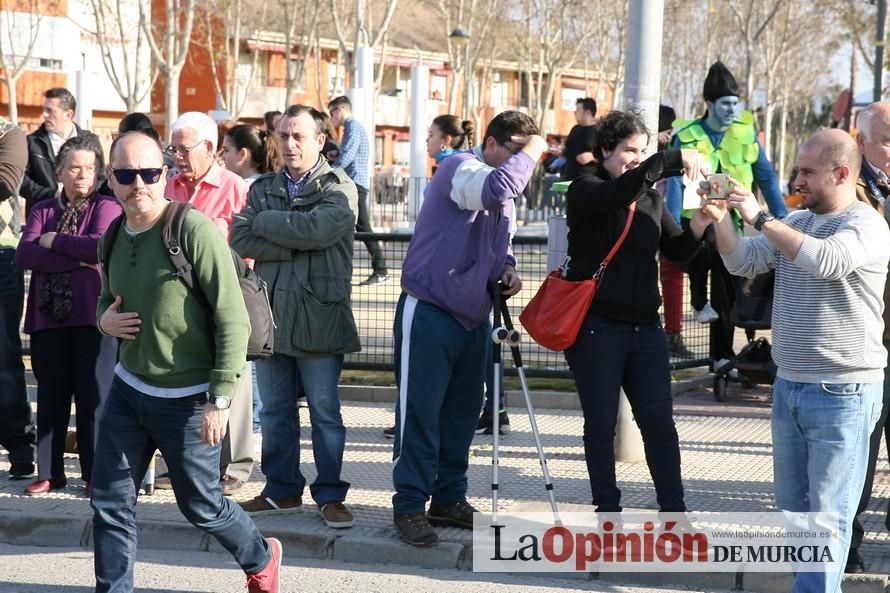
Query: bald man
column 873, row 187
column 179, row 362
column 831, row 265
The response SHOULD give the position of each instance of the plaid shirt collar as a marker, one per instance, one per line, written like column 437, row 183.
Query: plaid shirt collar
column 295, row 186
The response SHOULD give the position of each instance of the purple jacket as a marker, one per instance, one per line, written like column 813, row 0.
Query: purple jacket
column 462, row 237
column 65, row 256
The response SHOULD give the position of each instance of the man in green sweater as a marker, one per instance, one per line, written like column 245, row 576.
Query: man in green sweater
column 179, row 362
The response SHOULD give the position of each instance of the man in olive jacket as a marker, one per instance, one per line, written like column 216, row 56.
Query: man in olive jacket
column 299, row 226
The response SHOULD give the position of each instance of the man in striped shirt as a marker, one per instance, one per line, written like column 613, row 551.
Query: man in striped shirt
column 831, row 265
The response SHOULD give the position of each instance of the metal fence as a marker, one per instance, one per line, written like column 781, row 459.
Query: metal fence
column 393, row 195
column 374, row 309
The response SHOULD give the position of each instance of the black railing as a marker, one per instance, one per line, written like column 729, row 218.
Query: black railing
column 374, row 308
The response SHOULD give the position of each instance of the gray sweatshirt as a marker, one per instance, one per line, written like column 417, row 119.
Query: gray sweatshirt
column 827, row 305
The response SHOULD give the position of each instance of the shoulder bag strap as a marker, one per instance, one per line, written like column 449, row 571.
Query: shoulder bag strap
column 630, row 216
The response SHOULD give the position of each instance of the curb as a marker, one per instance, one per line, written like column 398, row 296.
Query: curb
column 379, row 546
column 544, row 400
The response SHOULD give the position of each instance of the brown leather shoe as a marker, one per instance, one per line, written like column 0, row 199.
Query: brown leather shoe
column 45, row 486
column 230, row 484
column 263, row 505
column 336, row 515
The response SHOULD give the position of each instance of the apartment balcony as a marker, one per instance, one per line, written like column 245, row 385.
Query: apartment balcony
column 257, row 100
column 392, row 111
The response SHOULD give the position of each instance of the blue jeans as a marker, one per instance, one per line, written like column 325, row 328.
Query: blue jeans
column 131, row 427
column 280, row 377
column 16, row 429
column 820, row 453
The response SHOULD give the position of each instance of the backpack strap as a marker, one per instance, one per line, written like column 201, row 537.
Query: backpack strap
column 110, row 236
column 174, row 219
column 172, row 231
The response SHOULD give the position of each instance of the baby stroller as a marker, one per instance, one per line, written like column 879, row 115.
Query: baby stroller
column 752, row 311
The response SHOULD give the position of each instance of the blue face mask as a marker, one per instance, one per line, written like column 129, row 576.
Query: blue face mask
column 722, row 112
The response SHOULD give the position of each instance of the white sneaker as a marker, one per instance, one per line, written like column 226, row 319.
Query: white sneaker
column 732, row 374
column 706, row 315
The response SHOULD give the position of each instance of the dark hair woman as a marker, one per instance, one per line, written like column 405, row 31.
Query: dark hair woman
column 244, row 152
column 621, row 342
column 68, row 354
column 447, row 135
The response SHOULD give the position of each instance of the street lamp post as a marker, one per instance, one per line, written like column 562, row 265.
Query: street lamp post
column 461, row 38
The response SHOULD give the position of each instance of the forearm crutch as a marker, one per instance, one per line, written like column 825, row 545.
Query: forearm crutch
column 502, row 334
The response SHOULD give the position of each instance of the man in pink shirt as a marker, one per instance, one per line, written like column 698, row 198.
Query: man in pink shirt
column 216, row 192
column 219, row 194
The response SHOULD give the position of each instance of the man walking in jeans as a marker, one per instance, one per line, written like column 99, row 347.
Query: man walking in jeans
column 352, row 157
column 179, row 362
column 831, row 266
column 16, row 429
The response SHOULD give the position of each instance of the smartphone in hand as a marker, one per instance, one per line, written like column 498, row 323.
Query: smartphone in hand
column 720, row 186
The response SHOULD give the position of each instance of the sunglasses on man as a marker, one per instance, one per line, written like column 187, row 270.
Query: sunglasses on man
column 128, row 176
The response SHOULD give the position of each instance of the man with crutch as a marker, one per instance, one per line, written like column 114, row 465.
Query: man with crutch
column 461, row 245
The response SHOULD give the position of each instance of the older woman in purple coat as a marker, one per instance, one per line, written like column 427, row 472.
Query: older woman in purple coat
column 69, row 355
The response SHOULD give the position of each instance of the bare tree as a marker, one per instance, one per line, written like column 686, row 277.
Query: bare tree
column 225, row 50
column 301, row 19
column 694, row 43
column 169, row 43
column 19, row 31
column 114, row 27
column 606, row 46
column 775, row 47
column 855, row 21
column 753, row 18
column 476, row 18
column 358, row 19
column 800, row 83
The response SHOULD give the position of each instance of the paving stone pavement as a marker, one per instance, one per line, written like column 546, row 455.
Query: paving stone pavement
column 727, row 466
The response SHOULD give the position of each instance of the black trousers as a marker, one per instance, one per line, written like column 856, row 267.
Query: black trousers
column 609, row 355
column 16, row 429
column 71, row 361
column 723, row 293
column 363, row 225
column 874, row 447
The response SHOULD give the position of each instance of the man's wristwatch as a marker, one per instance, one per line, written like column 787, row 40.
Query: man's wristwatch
column 762, row 218
column 220, row 401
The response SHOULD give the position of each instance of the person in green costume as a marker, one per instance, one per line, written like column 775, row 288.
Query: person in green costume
column 727, row 139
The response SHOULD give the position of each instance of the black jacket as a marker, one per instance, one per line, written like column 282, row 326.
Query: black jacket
column 40, row 181
column 596, row 212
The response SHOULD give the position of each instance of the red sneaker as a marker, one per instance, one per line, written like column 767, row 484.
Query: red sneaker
column 267, row 580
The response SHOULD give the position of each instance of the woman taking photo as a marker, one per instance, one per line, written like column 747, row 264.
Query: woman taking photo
column 621, row 342
column 68, row 354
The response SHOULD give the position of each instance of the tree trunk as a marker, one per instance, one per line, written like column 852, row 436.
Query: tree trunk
column 452, row 91
column 783, row 127
column 171, row 93
column 13, row 100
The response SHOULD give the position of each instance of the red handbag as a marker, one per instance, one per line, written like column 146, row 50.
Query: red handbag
column 554, row 315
